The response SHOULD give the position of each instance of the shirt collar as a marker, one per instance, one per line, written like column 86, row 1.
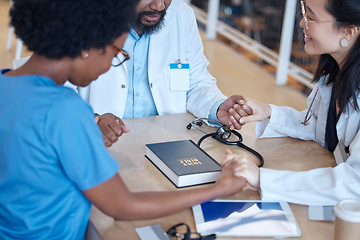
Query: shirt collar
column 134, row 34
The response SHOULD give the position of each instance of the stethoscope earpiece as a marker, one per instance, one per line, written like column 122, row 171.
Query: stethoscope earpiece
column 222, row 135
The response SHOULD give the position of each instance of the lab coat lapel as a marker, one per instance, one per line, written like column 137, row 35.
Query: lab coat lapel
column 324, row 95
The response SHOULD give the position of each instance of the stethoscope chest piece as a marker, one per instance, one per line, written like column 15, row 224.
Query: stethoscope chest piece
column 223, row 134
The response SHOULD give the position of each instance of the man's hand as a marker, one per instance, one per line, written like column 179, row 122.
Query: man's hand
column 260, row 111
column 111, row 127
column 230, row 110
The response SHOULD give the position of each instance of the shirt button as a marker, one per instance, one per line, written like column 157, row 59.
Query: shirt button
column 151, row 85
column 137, row 69
column 123, row 86
column 137, row 94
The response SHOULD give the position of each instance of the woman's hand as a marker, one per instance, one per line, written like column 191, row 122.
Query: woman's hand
column 261, row 111
column 246, row 168
column 111, row 127
column 229, row 182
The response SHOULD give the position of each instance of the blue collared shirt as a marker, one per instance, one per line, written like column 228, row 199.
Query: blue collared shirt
column 139, row 102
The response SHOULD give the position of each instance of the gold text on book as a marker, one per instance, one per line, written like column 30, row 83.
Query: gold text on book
column 189, row 162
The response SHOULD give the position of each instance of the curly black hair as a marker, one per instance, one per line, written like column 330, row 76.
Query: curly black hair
column 63, row 28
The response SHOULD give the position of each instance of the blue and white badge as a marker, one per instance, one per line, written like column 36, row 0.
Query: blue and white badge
column 179, row 76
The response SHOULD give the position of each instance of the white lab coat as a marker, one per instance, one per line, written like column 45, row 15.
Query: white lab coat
column 323, row 186
column 179, row 39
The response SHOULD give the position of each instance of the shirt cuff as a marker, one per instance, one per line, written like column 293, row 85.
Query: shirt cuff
column 214, row 110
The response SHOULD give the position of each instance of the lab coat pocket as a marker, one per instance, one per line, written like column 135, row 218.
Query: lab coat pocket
column 173, row 101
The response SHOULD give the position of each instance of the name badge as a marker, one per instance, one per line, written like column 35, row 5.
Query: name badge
column 179, row 76
column 340, row 153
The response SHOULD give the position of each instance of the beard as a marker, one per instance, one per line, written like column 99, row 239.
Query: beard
column 142, row 28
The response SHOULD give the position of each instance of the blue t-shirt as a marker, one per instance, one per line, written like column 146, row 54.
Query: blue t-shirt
column 50, row 151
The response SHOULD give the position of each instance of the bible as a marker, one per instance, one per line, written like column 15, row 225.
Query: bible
column 183, row 162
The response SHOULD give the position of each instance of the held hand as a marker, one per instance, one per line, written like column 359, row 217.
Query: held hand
column 238, row 111
column 245, row 168
column 229, row 182
column 228, row 116
column 111, row 127
column 261, row 111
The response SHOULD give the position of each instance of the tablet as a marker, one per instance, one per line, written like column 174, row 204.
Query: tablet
column 242, row 218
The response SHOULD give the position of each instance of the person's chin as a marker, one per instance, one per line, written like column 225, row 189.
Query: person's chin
column 87, row 82
column 310, row 50
column 149, row 23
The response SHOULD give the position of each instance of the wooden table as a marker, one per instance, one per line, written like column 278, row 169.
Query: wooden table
column 140, row 175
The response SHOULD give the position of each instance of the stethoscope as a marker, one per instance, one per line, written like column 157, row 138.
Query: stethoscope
column 308, row 112
column 222, row 135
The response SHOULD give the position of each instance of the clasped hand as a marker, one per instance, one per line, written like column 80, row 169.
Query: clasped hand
column 231, row 111
column 250, row 110
column 111, row 127
column 246, row 111
column 245, row 168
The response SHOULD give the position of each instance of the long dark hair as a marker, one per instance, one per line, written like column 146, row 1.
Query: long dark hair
column 345, row 81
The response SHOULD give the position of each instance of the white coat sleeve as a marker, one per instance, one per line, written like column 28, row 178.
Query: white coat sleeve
column 322, row 186
column 286, row 122
column 203, row 92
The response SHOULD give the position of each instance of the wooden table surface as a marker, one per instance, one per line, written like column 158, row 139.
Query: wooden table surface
column 140, row 175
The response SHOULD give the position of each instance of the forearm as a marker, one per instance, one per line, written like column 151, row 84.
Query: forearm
column 286, row 122
column 114, row 199
column 147, row 205
column 321, row 186
column 202, row 98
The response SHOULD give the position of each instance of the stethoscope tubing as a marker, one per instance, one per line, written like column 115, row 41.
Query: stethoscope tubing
column 237, row 143
column 222, row 137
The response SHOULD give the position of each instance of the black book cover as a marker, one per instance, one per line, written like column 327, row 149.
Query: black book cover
column 183, row 162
